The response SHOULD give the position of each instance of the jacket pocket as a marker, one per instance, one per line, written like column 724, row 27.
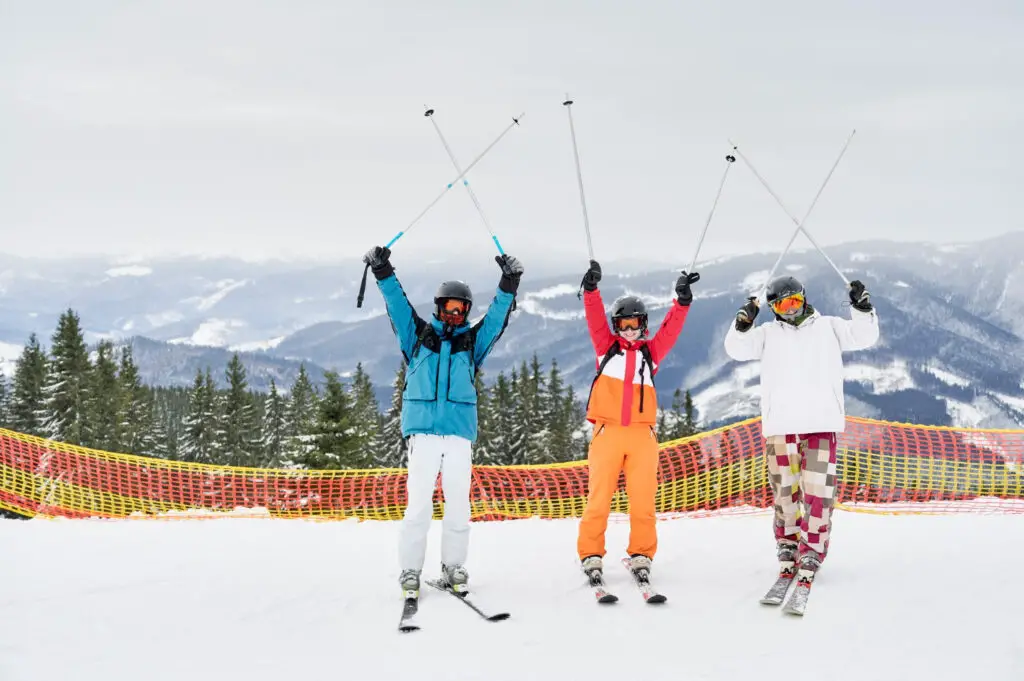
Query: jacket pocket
column 461, row 380
column 766, row 405
column 839, row 403
column 421, row 379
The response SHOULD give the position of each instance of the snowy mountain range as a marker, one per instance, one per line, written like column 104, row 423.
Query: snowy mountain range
column 952, row 319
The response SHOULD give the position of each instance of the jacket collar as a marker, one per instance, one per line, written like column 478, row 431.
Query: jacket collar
column 439, row 327
column 806, row 322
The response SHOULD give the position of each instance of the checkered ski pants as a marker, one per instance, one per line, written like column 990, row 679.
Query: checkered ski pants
column 802, row 469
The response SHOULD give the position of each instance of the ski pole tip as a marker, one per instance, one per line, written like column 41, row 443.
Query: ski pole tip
column 730, row 158
column 429, row 112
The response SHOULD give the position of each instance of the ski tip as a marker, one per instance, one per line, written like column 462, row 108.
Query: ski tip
column 607, row 599
column 657, row 599
column 406, row 628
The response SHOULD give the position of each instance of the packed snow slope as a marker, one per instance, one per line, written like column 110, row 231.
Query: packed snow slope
column 907, row 597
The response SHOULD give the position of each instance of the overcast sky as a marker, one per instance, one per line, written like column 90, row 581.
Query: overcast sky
column 296, row 128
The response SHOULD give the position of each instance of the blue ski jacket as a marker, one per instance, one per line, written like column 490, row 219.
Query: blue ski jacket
column 440, row 389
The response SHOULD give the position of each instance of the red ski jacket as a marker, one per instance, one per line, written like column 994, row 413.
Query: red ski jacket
column 623, row 390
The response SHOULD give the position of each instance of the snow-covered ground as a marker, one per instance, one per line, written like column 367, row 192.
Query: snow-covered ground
column 900, row 598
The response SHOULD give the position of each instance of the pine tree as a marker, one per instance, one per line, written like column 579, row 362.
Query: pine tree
column 66, row 393
column 155, row 442
column 690, row 426
column 365, row 418
column 393, row 450
column 137, row 410
column 558, row 412
column 335, row 443
column 300, row 418
column 577, row 418
column 534, row 398
column 235, row 443
column 198, row 428
column 517, row 434
column 26, row 405
column 104, row 409
column 273, row 428
column 485, row 449
column 5, row 402
column 674, row 420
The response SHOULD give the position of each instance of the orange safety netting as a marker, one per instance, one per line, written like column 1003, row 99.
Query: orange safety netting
column 883, row 467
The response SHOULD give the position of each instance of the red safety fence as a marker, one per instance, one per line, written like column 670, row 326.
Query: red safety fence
column 882, row 467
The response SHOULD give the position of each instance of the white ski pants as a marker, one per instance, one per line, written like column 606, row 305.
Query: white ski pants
column 453, row 457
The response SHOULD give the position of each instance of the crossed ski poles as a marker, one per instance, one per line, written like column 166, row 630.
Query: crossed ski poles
column 460, row 176
column 800, row 224
column 568, row 102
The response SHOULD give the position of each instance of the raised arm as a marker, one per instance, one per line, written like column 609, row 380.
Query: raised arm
column 861, row 330
column 403, row 317
column 593, row 308
column 672, row 325
column 489, row 329
column 743, row 342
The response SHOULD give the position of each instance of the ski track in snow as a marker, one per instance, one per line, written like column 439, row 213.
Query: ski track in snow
column 272, row 599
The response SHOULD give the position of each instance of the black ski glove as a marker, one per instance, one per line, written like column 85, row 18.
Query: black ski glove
column 378, row 258
column 683, row 293
column 592, row 277
column 747, row 314
column 859, row 297
column 511, row 271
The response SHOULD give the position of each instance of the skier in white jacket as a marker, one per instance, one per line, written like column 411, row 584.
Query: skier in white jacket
column 802, row 408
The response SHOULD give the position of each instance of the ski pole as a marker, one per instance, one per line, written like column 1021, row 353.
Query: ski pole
column 514, row 123
column 579, row 175
column 730, row 159
column 362, row 285
column 799, row 224
column 472, row 195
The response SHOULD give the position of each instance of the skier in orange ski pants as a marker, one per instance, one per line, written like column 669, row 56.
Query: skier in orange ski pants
column 623, row 407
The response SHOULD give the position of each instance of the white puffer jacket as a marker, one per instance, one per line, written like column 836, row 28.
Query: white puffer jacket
column 802, row 368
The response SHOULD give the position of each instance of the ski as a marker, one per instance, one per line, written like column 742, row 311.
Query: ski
column 777, row 593
column 497, row 617
column 601, row 592
column 797, row 602
column 410, row 606
column 643, row 583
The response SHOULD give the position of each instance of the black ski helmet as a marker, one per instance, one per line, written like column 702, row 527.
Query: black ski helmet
column 782, row 287
column 630, row 306
column 458, row 290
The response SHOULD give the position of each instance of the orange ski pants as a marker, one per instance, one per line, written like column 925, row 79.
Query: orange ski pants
column 613, row 449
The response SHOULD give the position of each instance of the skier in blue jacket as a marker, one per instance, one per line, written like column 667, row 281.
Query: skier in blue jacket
column 439, row 414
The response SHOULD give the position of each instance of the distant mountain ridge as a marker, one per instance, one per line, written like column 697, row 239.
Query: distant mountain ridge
column 952, row 319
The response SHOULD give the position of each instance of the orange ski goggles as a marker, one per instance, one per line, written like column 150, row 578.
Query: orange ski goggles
column 454, row 306
column 789, row 304
column 628, row 323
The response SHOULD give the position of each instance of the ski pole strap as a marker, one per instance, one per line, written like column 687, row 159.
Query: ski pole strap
column 362, row 285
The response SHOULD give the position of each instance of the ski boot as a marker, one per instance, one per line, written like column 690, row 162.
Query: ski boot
column 809, row 564
column 593, row 568
column 456, row 577
column 410, row 581
column 641, row 567
column 787, row 552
